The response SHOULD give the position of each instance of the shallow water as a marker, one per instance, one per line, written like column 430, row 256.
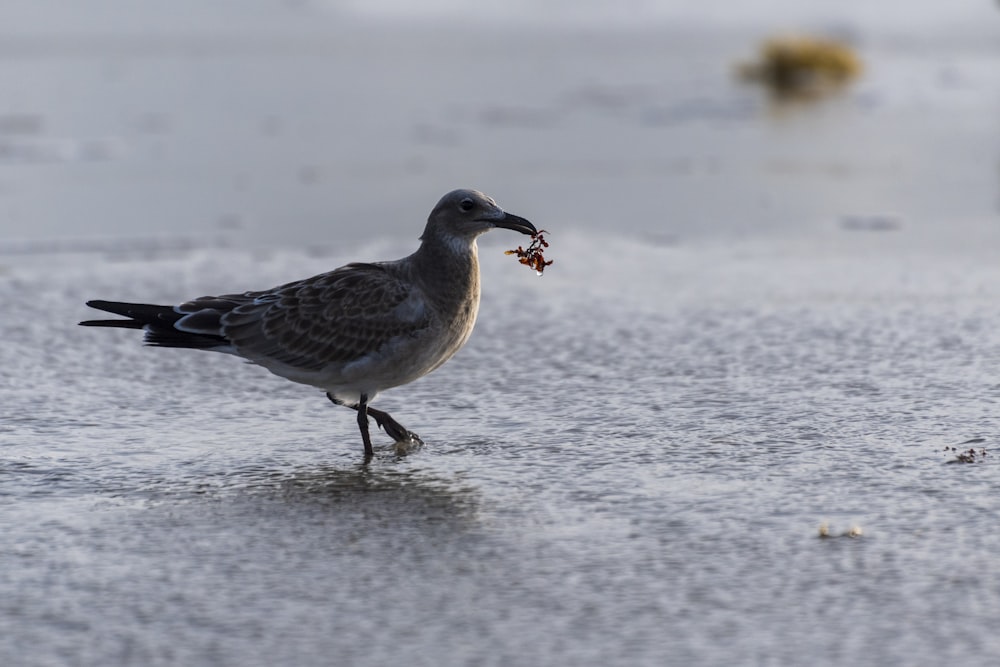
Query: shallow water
column 605, row 479
column 631, row 461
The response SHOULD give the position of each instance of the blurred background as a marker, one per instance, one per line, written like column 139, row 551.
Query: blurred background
column 310, row 123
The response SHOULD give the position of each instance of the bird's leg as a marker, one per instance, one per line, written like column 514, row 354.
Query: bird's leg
column 362, row 409
column 392, row 428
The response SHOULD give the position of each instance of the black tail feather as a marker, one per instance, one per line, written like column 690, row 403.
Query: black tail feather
column 170, row 337
column 158, row 321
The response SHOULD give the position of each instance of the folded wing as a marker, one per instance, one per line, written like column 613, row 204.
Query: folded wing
column 334, row 317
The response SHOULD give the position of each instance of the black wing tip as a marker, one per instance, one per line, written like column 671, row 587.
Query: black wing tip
column 119, row 324
column 139, row 314
column 158, row 322
column 146, row 313
column 108, row 306
column 126, row 308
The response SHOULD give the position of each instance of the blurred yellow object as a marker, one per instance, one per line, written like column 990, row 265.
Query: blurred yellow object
column 824, row 531
column 802, row 66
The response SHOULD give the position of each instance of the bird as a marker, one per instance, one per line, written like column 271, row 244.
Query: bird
column 352, row 332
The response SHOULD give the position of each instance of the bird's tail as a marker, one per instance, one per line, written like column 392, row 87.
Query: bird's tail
column 159, row 323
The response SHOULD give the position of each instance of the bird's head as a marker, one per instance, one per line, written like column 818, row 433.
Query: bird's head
column 462, row 215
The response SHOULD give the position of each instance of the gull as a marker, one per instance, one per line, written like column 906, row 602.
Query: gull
column 352, row 332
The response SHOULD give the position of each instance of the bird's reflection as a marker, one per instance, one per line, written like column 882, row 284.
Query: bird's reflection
column 383, row 488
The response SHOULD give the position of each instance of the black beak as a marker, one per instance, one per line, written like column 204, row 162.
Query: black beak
column 517, row 223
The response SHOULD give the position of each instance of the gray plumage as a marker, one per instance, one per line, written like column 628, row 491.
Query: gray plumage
column 354, row 331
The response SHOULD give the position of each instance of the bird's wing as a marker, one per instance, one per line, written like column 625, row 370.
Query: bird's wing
column 334, row 317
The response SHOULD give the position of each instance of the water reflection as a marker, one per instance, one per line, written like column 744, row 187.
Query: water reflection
column 381, row 491
column 393, row 489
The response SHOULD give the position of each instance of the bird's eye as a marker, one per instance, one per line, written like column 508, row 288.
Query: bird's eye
column 467, row 204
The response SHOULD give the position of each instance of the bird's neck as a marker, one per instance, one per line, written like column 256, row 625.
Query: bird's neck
column 449, row 268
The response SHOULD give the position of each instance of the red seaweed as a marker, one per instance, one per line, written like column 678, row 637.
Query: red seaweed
column 533, row 256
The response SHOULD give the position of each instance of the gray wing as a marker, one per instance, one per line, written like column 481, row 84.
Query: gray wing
column 334, row 317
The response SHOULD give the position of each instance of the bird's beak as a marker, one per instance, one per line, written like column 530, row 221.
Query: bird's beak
column 517, row 223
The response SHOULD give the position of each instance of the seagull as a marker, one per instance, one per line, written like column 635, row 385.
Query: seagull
column 352, row 332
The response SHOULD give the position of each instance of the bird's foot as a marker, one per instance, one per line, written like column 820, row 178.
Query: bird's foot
column 394, row 429
column 405, row 439
column 407, row 447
